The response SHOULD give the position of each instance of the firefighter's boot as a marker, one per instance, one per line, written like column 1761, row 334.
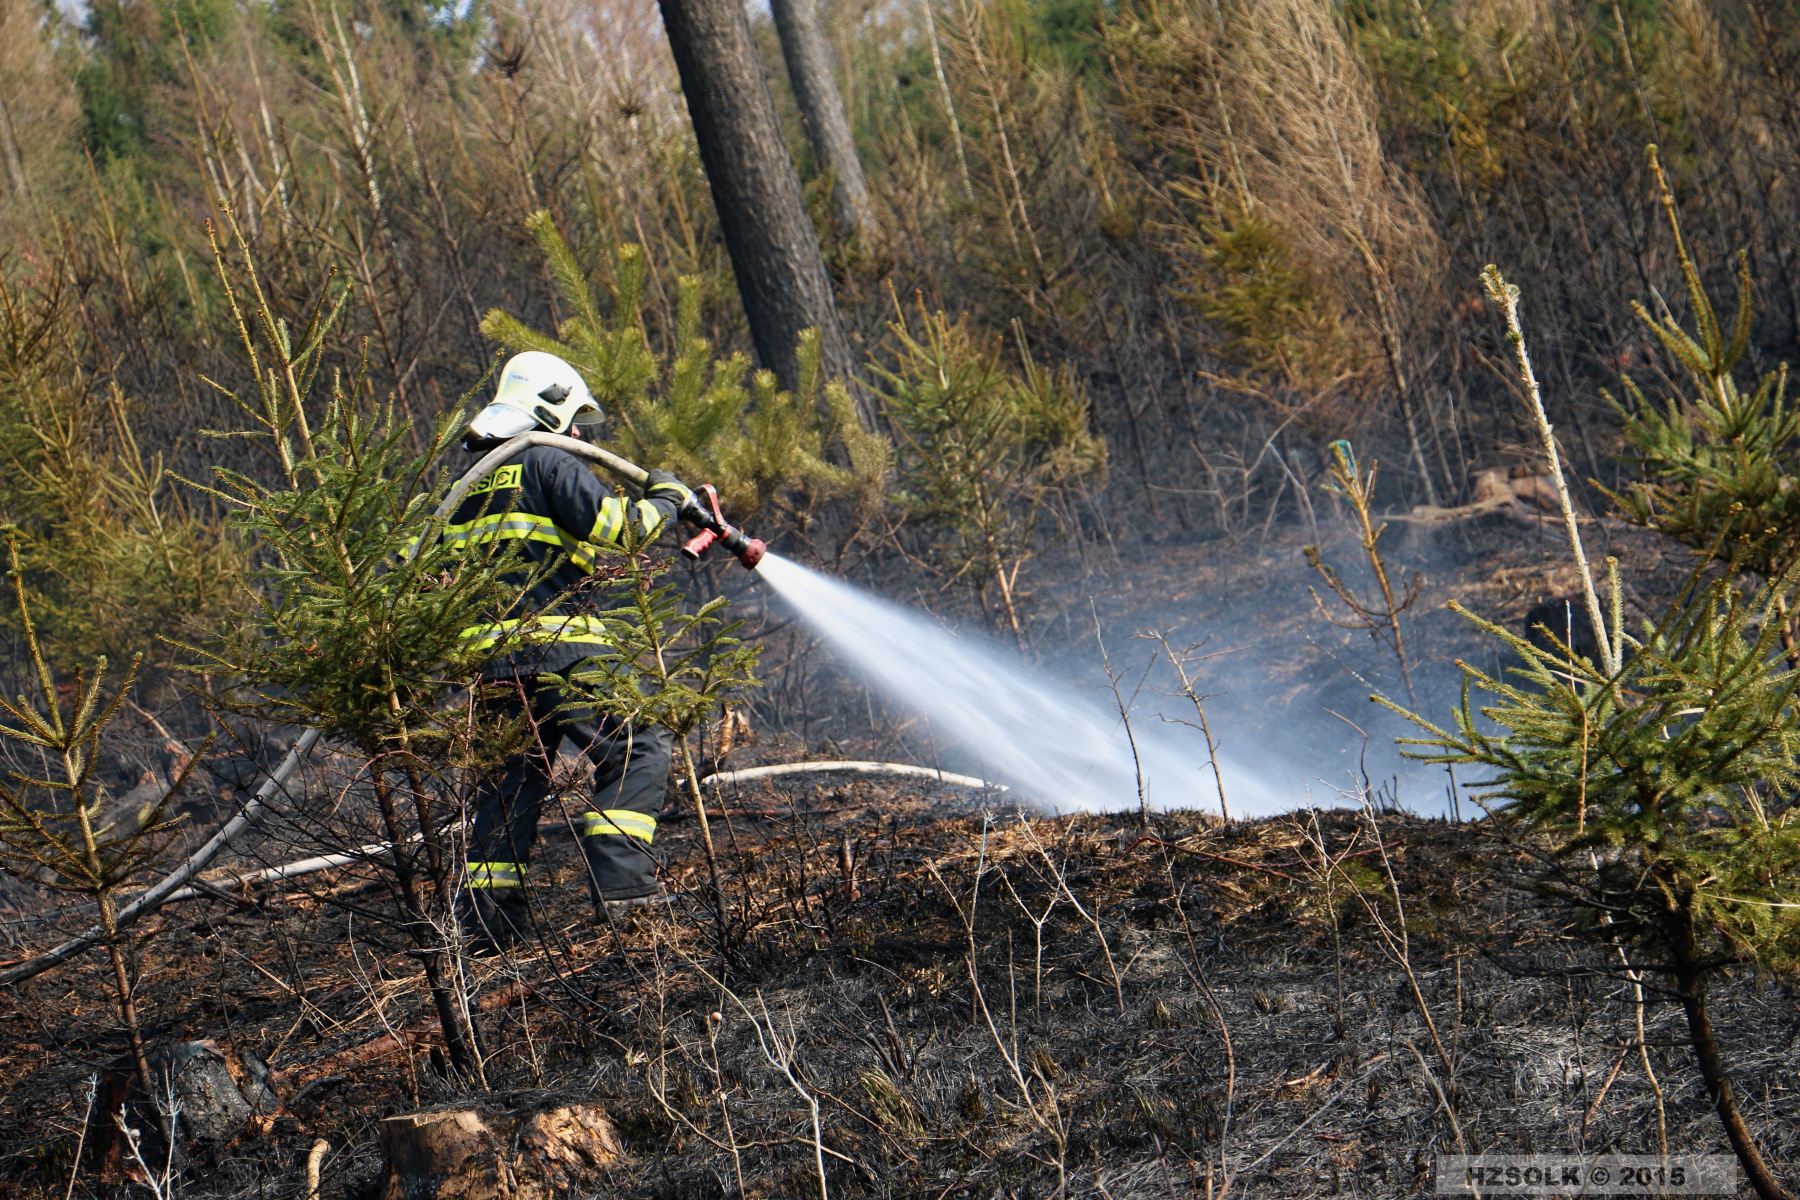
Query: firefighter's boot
column 492, row 909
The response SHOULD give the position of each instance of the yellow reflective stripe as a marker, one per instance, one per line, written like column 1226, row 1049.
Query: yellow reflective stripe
column 536, row 630
column 494, row 875
column 506, row 526
column 518, row 526
column 610, row 521
column 621, row 821
column 649, row 517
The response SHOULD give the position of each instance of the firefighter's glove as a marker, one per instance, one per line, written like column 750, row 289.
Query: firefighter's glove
column 662, row 485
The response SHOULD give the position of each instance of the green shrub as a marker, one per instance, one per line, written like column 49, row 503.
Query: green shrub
column 1719, row 469
column 983, row 450
column 113, row 554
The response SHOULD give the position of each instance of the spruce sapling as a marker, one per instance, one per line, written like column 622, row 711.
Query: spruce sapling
column 1659, row 784
column 51, row 828
column 358, row 609
column 670, row 667
column 1663, row 795
column 1721, row 463
column 983, row 450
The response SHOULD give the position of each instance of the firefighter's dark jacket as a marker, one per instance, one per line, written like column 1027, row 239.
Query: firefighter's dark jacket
column 559, row 512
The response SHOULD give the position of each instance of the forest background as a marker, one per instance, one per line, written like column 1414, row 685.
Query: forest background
column 1235, row 232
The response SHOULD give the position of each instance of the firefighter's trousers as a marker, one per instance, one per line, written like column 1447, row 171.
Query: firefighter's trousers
column 616, row 828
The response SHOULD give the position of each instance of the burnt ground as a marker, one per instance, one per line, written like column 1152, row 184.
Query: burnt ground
column 990, row 1005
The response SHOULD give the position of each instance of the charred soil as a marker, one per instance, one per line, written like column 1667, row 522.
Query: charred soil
column 979, row 1001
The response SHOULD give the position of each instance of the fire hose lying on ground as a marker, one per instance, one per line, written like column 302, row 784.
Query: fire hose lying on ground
column 701, row 511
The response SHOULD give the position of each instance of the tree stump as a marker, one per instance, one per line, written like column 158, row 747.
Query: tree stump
column 468, row 1154
column 191, row 1078
column 211, row 1108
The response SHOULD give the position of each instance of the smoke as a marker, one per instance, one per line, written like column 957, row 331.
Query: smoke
column 1289, row 691
column 1053, row 742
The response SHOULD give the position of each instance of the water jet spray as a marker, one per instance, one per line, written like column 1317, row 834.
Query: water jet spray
column 1043, row 736
column 1055, row 744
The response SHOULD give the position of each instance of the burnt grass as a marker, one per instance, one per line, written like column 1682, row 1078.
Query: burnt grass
column 989, row 1004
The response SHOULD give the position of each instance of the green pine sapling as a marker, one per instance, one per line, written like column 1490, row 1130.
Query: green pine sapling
column 670, row 667
column 983, row 450
column 51, row 830
column 1663, row 794
column 1723, row 463
column 1661, row 785
column 357, row 608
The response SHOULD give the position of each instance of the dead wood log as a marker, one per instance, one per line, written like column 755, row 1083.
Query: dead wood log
column 470, row 1154
column 1523, row 497
column 295, row 1081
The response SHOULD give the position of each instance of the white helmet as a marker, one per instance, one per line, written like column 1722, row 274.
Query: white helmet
column 536, row 389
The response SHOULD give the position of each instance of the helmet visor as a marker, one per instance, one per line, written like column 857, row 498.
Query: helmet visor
column 500, row 421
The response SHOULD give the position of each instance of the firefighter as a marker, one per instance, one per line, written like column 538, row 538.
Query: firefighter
column 548, row 501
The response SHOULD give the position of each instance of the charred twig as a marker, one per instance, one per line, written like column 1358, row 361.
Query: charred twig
column 1092, row 920
column 1181, row 661
column 1382, row 623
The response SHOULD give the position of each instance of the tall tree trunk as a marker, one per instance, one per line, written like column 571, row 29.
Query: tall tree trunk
column 1692, row 984
column 9, row 149
column 774, row 250
column 810, row 70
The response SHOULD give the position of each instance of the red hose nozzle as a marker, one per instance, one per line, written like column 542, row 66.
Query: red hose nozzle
column 715, row 528
column 699, row 544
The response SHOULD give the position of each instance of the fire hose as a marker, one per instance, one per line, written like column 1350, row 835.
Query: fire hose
column 857, row 768
column 701, row 509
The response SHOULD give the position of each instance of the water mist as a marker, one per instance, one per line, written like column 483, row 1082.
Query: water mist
column 1043, row 737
